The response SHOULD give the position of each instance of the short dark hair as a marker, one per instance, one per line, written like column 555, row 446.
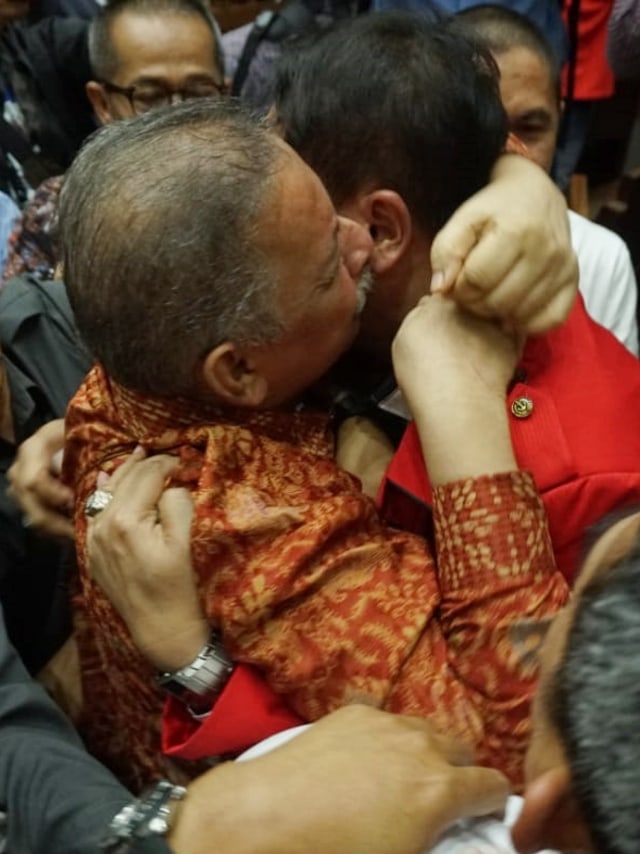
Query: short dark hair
column 393, row 100
column 158, row 220
column 595, row 705
column 502, row 29
column 102, row 55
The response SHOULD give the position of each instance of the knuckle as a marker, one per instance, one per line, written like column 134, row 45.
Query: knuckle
column 111, row 524
column 477, row 278
column 355, row 712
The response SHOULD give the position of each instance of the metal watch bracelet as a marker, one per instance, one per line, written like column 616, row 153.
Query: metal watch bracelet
column 198, row 684
column 149, row 815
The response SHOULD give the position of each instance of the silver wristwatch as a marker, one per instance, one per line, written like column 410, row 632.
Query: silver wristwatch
column 146, row 817
column 198, row 684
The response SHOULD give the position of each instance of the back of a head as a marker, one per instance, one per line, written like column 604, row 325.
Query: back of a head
column 157, row 223
column 102, row 55
column 394, row 101
column 596, row 706
column 502, row 29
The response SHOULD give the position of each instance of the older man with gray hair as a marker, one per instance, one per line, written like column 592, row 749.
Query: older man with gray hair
column 206, row 347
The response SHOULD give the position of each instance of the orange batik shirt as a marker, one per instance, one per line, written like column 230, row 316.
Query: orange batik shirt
column 305, row 581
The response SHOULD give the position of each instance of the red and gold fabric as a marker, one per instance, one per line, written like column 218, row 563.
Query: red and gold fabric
column 308, row 586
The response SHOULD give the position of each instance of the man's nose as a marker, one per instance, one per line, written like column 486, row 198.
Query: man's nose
column 356, row 245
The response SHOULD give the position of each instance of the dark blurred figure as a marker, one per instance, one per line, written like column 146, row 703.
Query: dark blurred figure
column 41, row 365
column 45, row 113
column 252, row 51
column 40, row 9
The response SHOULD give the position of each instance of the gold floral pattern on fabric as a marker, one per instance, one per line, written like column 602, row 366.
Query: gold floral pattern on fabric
column 304, row 580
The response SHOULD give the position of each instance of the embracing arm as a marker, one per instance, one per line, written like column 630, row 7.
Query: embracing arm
column 360, row 780
column 438, row 689
column 499, row 586
column 139, row 553
column 357, row 611
column 58, row 799
column 35, row 481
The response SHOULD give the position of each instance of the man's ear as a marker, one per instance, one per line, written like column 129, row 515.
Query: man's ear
column 99, row 101
column 230, row 374
column 386, row 215
column 550, row 816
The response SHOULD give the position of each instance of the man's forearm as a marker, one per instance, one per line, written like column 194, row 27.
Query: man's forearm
column 57, row 798
column 499, row 590
column 472, row 440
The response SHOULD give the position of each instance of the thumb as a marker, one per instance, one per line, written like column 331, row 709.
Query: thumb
column 175, row 514
column 453, row 243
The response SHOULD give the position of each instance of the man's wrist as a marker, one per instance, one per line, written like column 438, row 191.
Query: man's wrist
column 177, row 649
column 198, row 684
column 467, row 441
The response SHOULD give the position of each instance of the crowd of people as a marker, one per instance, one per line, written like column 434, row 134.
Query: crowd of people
column 321, row 437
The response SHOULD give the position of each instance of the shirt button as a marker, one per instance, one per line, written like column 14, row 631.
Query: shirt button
column 522, row 407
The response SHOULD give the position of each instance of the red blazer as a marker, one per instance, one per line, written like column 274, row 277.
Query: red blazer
column 580, row 440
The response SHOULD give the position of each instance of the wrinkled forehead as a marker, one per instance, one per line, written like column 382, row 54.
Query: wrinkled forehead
column 150, row 43
column 523, row 71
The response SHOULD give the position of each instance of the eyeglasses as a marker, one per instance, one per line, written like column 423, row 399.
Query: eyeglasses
column 145, row 98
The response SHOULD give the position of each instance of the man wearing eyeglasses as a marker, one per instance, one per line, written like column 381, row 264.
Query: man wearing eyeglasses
column 144, row 54
column 150, row 53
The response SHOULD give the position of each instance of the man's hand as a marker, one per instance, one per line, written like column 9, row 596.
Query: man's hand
column 35, row 481
column 453, row 369
column 441, row 351
column 506, row 252
column 360, row 781
column 140, row 554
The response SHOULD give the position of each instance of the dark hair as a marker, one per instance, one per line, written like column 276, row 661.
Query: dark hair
column 502, row 29
column 396, row 101
column 595, row 704
column 158, row 218
column 102, row 55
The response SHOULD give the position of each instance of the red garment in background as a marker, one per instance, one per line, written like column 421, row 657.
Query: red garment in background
column 593, row 76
